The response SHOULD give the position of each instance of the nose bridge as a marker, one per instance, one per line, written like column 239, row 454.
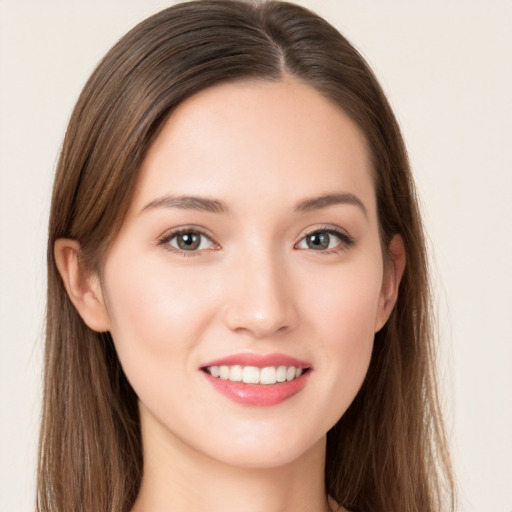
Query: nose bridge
column 261, row 302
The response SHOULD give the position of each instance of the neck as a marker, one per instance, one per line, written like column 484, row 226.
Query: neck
column 177, row 478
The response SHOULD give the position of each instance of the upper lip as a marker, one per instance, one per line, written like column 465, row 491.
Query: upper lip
column 258, row 360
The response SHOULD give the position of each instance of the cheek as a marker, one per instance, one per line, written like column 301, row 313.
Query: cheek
column 347, row 306
column 154, row 315
column 345, row 317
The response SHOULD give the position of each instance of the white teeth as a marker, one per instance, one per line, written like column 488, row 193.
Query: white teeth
column 281, row 373
column 251, row 375
column 254, row 375
column 224, row 372
column 268, row 375
column 235, row 373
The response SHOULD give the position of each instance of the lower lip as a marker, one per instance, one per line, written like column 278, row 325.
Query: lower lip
column 258, row 394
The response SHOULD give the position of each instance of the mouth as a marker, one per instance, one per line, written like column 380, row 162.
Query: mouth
column 266, row 376
column 257, row 380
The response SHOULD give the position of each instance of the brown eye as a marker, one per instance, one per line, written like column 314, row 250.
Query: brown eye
column 190, row 241
column 325, row 240
column 319, row 241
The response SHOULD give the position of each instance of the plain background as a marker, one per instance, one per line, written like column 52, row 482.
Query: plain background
column 446, row 67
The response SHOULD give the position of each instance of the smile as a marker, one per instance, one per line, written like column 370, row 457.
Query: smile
column 257, row 380
column 253, row 375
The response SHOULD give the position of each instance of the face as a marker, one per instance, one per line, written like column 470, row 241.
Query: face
column 251, row 252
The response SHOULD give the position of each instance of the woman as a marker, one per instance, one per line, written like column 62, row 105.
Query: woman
column 238, row 309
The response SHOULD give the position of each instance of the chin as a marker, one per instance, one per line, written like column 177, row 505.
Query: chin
column 260, row 451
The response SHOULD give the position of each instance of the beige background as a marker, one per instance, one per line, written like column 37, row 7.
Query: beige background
column 446, row 67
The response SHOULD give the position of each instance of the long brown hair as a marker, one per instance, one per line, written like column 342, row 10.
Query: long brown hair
column 388, row 451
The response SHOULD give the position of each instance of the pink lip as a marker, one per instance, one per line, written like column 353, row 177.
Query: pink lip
column 259, row 361
column 258, row 394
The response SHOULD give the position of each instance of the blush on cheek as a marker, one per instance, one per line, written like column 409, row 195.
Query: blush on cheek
column 156, row 314
column 347, row 319
column 349, row 308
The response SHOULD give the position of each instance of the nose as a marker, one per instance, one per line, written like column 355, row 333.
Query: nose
column 261, row 300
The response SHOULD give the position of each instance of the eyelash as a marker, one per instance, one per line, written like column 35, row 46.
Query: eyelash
column 346, row 241
column 167, row 237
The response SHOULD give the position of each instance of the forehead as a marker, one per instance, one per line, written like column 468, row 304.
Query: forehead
column 274, row 141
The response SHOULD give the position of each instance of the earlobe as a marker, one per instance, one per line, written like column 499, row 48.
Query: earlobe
column 83, row 286
column 393, row 273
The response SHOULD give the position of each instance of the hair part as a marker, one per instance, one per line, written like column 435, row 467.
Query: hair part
column 388, row 451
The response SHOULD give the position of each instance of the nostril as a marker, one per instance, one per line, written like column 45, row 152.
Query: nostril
column 260, row 300
column 259, row 322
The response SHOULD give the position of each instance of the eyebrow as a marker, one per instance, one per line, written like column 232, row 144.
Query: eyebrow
column 326, row 200
column 198, row 203
column 206, row 204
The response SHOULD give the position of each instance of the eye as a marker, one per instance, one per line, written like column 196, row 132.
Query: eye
column 188, row 240
column 325, row 240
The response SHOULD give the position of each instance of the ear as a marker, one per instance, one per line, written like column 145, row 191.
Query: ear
column 393, row 272
column 82, row 285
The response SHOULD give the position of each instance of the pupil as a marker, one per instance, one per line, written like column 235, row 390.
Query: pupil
column 318, row 241
column 189, row 241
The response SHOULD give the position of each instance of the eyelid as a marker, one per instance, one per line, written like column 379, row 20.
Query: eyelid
column 346, row 240
column 168, row 235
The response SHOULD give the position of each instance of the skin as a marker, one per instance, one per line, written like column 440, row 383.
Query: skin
column 254, row 285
